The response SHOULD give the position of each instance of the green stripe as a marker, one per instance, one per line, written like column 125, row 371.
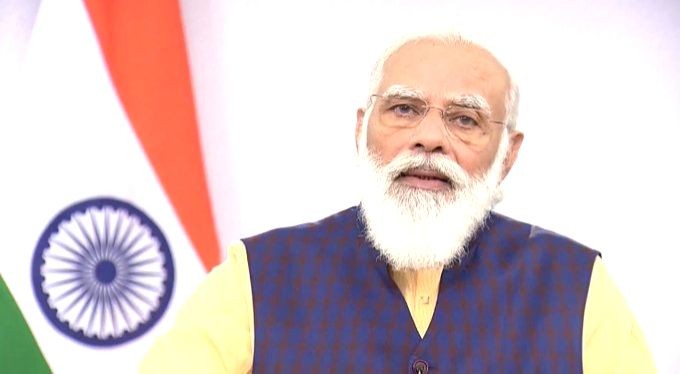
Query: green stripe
column 19, row 352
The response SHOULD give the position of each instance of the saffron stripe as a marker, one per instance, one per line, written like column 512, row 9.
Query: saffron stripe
column 143, row 45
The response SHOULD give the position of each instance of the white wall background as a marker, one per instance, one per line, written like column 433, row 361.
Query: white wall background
column 278, row 84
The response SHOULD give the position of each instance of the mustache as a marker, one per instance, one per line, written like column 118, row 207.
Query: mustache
column 440, row 164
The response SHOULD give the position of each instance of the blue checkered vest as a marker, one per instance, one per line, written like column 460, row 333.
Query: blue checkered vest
column 325, row 303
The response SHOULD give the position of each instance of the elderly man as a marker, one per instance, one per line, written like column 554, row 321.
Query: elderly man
column 421, row 276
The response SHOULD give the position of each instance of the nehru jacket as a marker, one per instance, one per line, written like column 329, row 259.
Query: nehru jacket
column 318, row 298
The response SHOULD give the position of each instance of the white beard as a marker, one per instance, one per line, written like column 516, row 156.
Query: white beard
column 414, row 228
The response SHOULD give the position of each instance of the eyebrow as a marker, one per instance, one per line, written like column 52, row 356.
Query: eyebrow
column 471, row 101
column 401, row 91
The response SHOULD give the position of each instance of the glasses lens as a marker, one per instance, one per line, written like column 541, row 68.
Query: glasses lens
column 400, row 111
column 467, row 124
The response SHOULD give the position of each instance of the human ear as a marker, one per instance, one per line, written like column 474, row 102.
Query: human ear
column 516, row 139
column 357, row 129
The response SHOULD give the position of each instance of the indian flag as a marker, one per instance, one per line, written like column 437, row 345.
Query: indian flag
column 107, row 222
column 18, row 351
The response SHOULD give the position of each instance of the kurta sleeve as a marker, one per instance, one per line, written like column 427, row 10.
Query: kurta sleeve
column 612, row 339
column 214, row 330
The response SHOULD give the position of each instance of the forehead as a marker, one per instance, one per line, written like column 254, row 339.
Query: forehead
column 442, row 70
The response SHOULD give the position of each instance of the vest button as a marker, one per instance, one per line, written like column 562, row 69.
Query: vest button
column 420, row 367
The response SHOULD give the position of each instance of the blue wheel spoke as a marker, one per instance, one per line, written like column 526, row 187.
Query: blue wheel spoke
column 64, row 281
column 84, row 308
column 95, row 306
column 131, row 304
column 76, row 300
column 109, row 303
column 146, row 274
column 87, row 236
column 139, row 296
column 125, row 237
column 63, row 259
column 132, row 243
column 66, row 271
column 81, row 245
column 73, row 289
column 145, row 286
column 138, row 252
column 116, row 232
column 106, row 228
column 97, row 239
column 116, row 298
column 72, row 251
column 144, row 262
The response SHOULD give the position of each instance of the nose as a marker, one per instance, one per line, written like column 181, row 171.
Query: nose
column 430, row 134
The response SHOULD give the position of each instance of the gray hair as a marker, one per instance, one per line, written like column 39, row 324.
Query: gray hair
column 452, row 39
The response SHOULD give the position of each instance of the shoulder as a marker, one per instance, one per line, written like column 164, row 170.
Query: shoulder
column 612, row 339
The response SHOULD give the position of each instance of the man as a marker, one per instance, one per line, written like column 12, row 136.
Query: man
column 422, row 276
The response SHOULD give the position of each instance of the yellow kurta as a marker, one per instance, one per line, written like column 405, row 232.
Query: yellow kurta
column 214, row 332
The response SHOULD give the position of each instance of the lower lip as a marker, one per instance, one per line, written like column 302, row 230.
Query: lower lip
column 424, row 183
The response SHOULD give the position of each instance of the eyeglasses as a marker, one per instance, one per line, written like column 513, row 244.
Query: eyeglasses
column 470, row 125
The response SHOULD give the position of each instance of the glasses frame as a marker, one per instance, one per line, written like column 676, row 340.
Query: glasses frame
column 427, row 106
